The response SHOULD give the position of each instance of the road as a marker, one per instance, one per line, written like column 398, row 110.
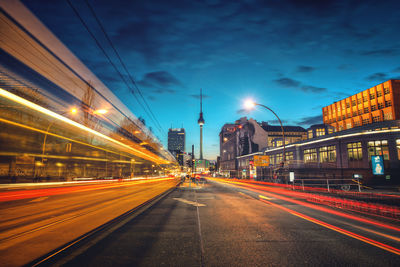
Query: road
column 225, row 224
column 34, row 222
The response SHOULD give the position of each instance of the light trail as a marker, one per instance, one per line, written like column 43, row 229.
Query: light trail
column 263, row 190
column 35, row 193
column 33, row 106
column 337, row 229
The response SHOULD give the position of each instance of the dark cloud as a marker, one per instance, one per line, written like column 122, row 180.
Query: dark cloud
column 381, row 52
column 242, row 111
column 287, row 82
column 303, row 69
column 396, row 70
column 310, row 120
column 313, row 89
column 159, row 78
column 379, row 76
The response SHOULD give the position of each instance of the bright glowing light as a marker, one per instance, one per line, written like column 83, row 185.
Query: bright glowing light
column 249, row 104
column 100, row 111
column 74, row 110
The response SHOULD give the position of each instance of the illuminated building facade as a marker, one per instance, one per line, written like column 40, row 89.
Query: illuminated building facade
column 343, row 154
column 376, row 104
column 176, row 140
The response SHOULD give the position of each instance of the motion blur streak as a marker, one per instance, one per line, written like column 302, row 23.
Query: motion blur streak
column 23, row 194
column 33, row 106
column 337, row 229
column 262, row 189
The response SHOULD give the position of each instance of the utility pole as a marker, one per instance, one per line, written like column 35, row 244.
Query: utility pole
column 193, row 163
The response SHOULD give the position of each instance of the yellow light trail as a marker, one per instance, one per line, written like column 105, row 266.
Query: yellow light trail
column 50, row 113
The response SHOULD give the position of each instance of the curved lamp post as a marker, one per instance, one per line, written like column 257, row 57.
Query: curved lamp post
column 250, row 104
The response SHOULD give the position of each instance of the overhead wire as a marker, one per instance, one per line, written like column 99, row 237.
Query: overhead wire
column 121, row 61
column 109, row 59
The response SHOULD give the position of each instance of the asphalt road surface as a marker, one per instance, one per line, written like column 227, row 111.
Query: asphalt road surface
column 34, row 222
column 221, row 224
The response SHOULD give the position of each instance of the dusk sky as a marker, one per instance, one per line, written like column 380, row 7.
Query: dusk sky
column 292, row 56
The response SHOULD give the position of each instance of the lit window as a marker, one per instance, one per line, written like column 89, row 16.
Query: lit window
column 373, row 107
column 377, row 148
column 310, row 134
column 354, row 151
column 327, row 154
column 388, row 103
column 381, row 105
column 376, row 118
column 289, row 156
column 279, row 158
column 365, row 121
column 372, row 96
column 366, row 110
column 387, row 116
column 320, row 132
column 386, row 90
column 365, row 98
column 310, row 155
column 379, row 93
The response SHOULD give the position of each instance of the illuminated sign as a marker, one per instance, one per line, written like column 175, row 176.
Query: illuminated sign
column 261, row 161
column 377, row 165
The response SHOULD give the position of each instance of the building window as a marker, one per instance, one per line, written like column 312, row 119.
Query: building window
column 289, row 156
column 359, row 100
column 354, row 151
column 327, row 154
column 379, row 93
column 310, row 155
column 372, row 96
column 348, row 125
column 320, row 132
column 354, row 113
column 365, row 121
column 365, row 98
column 387, row 116
column 272, row 159
column 376, row 118
column 357, row 123
column 373, row 107
column 347, row 104
column 398, row 148
column 386, row 90
column 381, row 105
column 388, row 103
column 343, row 117
column 330, row 130
column 310, row 134
column 366, row 110
column 359, row 112
column 377, row 148
column 279, row 158
column 353, row 103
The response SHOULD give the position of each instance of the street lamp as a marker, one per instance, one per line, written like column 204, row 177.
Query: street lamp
column 250, row 104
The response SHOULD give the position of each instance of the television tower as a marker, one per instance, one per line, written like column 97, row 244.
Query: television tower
column 201, row 123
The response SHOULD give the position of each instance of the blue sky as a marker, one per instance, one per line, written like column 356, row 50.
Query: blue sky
column 293, row 56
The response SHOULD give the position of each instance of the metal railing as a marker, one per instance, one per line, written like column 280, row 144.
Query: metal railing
column 329, row 184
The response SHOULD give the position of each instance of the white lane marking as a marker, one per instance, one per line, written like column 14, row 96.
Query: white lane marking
column 39, row 199
column 189, row 202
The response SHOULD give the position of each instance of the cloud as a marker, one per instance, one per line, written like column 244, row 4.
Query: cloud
column 379, row 76
column 313, row 89
column 242, row 111
column 287, row 82
column 310, row 120
column 396, row 70
column 159, row 78
column 304, row 69
column 381, row 52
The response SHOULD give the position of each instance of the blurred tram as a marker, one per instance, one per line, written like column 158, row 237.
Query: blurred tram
column 58, row 121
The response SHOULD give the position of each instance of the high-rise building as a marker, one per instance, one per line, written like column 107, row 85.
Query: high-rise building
column 379, row 103
column 176, row 141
